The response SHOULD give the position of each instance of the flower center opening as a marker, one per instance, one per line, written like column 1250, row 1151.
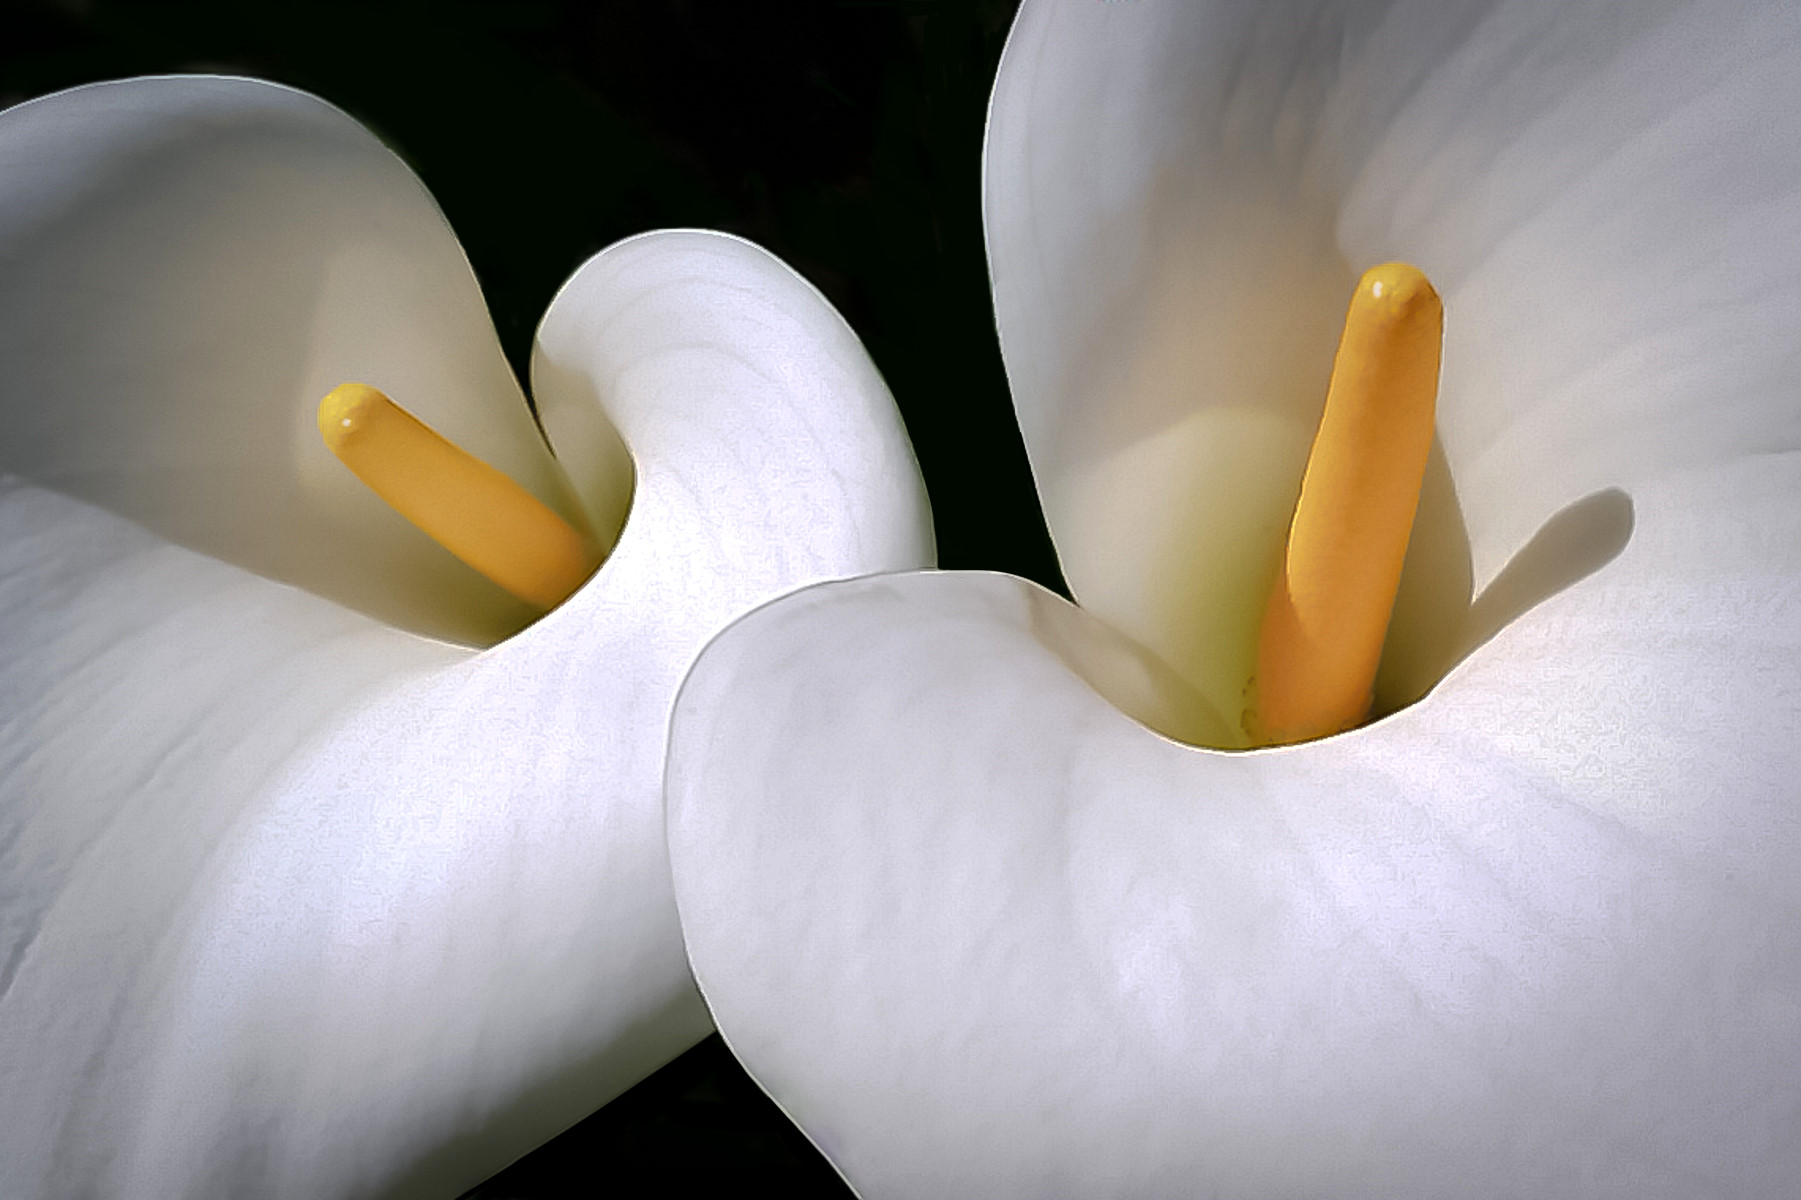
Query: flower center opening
column 476, row 512
column 1268, row 447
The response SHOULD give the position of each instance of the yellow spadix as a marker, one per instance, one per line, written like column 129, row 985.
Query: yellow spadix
column 1328, row 613
column 465, row 505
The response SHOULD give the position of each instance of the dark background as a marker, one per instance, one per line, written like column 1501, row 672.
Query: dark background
column 844, row 135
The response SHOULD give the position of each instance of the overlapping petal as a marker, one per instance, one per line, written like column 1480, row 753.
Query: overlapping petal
column 299, row 903
column 1532, row 935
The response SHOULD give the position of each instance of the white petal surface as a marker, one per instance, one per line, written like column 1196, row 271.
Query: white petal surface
column 981, row 933
column 1535, row 935
column 298, row 904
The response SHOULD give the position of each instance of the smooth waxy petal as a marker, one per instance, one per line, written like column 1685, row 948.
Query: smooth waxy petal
column 1533, row 935
column 982, row 933
column 1178, row 198
column 300, row 904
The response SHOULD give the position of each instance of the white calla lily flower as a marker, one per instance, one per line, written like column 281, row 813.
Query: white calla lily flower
column 981, row 928
column 297, row 901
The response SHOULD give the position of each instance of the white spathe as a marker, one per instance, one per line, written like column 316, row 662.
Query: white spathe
column 982, row 932
column 294, row 902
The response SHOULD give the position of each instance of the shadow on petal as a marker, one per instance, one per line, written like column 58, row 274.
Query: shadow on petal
column 1576, row 542
column 1573, row 544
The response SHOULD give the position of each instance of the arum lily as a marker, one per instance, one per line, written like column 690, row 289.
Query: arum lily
column 1534, row 930
column 324, row 870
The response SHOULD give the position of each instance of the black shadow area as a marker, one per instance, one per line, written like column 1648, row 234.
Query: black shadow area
column 697, row 1127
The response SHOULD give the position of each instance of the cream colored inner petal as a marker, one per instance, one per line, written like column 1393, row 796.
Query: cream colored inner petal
column 1182, row 470
column 1171, row 514
column 190, row 275
column 1599, row 195
column 1174, row 540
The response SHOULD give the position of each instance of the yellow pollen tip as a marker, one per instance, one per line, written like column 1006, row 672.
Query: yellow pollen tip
column 465, row 505
column 1327, row 615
